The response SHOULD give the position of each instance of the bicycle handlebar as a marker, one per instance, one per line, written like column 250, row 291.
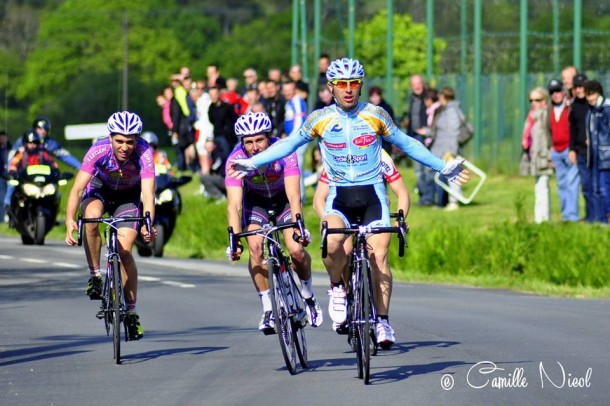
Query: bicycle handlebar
column 266, row 230
column 355, row 229
column 111, row 221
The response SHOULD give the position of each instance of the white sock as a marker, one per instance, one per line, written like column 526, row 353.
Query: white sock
column 306, row 289
column 264, row 295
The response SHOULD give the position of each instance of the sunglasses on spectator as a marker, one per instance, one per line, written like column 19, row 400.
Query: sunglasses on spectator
column 536, row 100
column 343, row 84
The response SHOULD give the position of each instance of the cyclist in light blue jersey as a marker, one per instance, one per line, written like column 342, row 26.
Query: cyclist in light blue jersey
column 349, row 134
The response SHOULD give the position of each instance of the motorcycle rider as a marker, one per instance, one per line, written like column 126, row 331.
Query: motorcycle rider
column 33, row 153
column 42, row 126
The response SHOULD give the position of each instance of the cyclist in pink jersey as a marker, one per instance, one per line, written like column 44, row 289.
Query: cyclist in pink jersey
column 275, row 187
column 117, row 174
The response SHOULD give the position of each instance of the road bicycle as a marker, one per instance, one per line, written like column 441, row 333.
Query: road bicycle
column 113, row 309
column 287, row 302
column 361, row 313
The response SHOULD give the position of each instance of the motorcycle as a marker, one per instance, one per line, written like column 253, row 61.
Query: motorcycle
column 34, row 203
column 168, row 205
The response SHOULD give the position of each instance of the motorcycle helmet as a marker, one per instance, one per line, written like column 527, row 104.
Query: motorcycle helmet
column 31, row 136
column 151, row 138
column 42, row 122
column 125, row 123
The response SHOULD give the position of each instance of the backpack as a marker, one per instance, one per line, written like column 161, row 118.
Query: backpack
column 466, row 130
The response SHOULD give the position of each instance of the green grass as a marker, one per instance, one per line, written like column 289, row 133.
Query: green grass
column 490, row 243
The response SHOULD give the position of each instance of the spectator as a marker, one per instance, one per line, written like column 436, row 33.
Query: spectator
column 579, row 153
column 376, row 98
column 536, row 141
column 164, row 100
column 214, row 77
column 445, row 129
column 416, row 119
column 275, row 105
column 566, row 172
column 182, row 132
column 262, row 89
column 222, row 116
column 325, row 97
column 598, row 135
column 5, row 147
column 295, row 115
column 296, row 75
column 231, row 96
column 432, row 104
column 251, row 79
column 204, row 130
column 323, row 64
column 567, row 77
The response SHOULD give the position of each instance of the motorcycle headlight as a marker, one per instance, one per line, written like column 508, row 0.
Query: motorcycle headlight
column 48, row 190
column 31, row 189
column 166, row 196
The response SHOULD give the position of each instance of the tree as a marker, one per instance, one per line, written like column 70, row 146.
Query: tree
column 408, row 44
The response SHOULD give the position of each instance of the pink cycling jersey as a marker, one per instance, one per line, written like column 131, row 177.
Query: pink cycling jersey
column 101, row 163
column 268, row 180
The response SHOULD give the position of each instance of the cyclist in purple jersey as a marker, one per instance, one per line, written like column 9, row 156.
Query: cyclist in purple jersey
column 275, row 187
column 116, row 175
column 349, row 134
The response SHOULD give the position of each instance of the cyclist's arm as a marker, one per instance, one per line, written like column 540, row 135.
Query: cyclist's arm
column 292, row 184
column 280, row 149
column 402, row 194
column 415, row 150
column 148, row 196
column 319, row 197
column 235, row 196
column 76, row 193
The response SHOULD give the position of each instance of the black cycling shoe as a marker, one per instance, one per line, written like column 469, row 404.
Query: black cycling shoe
column 94, row 288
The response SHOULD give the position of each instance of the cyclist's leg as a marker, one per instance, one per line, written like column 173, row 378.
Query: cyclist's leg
column 92, row 208
column 258, row 271
column 382, row 274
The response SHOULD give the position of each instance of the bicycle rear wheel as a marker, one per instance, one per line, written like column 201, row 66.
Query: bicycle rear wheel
column 116, row 309
column 283, row 323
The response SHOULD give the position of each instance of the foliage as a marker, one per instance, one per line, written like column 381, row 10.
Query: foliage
column 408, row 43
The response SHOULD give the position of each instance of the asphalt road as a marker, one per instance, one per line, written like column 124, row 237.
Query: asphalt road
column 455, row 346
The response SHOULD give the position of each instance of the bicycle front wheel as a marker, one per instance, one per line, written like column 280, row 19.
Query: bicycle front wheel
column 365, row 324
column 116, row 309
column 283, row 323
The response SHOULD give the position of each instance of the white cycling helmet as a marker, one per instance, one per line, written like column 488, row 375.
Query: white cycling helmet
column 252, row 124
column 125, row 123
column 345, row 68
column 150, row 137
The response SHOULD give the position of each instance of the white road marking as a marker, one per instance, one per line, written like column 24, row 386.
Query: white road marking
column 34, row 260
column 66, row 265
column 6, row 257
column 178, row 284
column 148, row 278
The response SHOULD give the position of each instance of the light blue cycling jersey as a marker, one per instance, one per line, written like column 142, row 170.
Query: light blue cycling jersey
column 350, row 143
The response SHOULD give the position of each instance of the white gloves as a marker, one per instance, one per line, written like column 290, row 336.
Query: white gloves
column 234, row 256
column 243, row 165
column 454, row 172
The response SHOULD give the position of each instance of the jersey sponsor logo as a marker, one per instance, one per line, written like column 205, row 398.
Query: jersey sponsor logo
column 386, row 168
column 96, row 153
column 335, row 145
column 350, row 159
column 336, row 128
column 364, row 140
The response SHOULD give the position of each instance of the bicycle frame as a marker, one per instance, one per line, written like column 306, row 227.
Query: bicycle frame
column 287, row 302
column 362, row 314
column 113, row 308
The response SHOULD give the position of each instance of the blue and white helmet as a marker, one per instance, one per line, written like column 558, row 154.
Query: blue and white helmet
column 345, row 68
column 125, row 123
column 252, row 124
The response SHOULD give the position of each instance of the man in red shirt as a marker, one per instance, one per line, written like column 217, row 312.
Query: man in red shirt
column 568, row 180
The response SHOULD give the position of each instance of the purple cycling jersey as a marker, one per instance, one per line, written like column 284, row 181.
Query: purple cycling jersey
column 265, row 181
column 101, row 163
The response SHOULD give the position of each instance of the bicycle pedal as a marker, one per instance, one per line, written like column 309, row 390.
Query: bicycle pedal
column 100, row 315
column 95, row 296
